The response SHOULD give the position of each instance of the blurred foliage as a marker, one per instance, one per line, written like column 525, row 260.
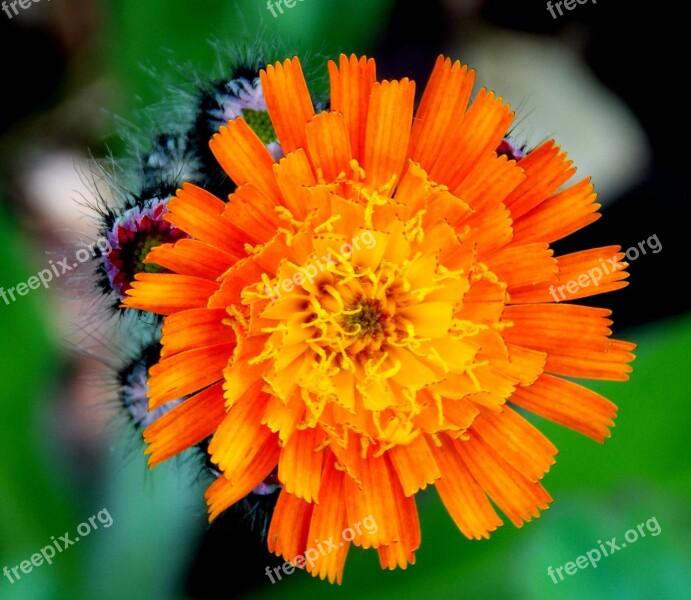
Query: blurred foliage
column 34, row 501
column 142, row 32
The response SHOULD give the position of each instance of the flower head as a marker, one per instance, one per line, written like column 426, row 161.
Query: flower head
column 132, row 236
column 243, row 97
column 365, row 312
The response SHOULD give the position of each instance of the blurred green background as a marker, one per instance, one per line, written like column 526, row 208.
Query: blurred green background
column 53, row 476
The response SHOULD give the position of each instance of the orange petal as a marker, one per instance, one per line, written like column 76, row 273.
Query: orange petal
column 568, row 404
column 547, row 170
column 285, row 382
column 348, row 457
column 197, row 212
column 478, row 134
column 294, row 175
column 242, row 379
column 490, row 229
column 329, row 146
column 166, row 293
column 575, row 338
column 288, row 101
column 414, row 465
column 187, row 372
column 611, row 363
column 283, row 418
column 442, row 106
column 515, row 440
column 388, row 131
column 558, row 327
column 523, row 266
column 522, row 365
column 462, row 495
column 500, row 377
column 289, row 529
column 300, row 465
column 185, row 425
column 253, row 215
column 244, row 157
column 517, row 497
column 328, row 523
column 223, row 493
column 603, row 266
column 375, row 499
column 558, row 216
column 351, row 86
column 402, row 551
column 237, row 441
column 194, row 328
column 584, row 268
column 191, row 257
column 393, row 556
column 234, row 281
column 414, row 190
column 460, row 413
column 492, row 179
column 417, row 192
column 483, row 303
column 272, row 255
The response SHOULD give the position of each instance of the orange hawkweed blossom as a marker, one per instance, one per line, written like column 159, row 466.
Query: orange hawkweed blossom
column 400, row 365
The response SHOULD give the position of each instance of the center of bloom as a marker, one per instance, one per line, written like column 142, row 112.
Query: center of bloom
column 362, row 328
column 141, row 250
column 355, row 315
column 365, row 318
column 260, row 122
column 132, row 236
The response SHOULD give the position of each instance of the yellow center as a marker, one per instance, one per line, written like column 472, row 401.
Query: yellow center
column 369, row 341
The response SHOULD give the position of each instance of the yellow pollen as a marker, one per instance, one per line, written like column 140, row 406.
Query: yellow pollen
column 327, row 225
column 286, row 215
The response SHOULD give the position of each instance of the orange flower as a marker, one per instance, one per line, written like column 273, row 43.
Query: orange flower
column 364, row 313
